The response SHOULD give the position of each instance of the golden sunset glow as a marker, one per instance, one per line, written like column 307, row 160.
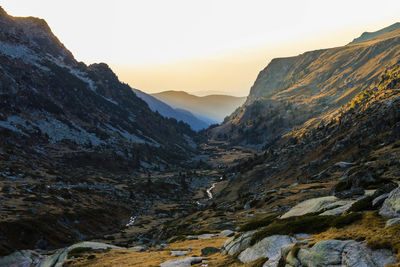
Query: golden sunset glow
column 197, row 46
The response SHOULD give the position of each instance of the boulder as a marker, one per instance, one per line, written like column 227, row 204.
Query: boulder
column 233, row 245
column 209, row 251
column 206, row 236
column 343, row 164
column 361, row 179
column 357, row 191
column 379, row 200
column 58, row 258
column 393, row 222
column 391, row 206
column 310, row 206
column 138, row 248
column 269, row 247
column 178, row 253
column 191, row 237
column 184, row 262
column 24, row 258
column 339, row 210
column 343, row 253
column 227, row 233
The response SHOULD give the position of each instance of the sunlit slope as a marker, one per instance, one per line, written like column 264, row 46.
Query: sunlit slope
column 291, row 91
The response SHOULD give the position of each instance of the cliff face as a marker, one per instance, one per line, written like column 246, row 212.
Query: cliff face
column 308, row 88
column 48, row 99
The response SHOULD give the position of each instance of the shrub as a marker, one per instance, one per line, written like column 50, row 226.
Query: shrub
column 255, row 224
column 309, row 223
column 78, row 251
column 342, row 186
column 259, row 262
column 362, row 204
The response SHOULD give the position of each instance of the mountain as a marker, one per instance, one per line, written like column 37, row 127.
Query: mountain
column 211, row 108
column 169, row 112
column 51, row 100
column 305, row 89
column 75, row 144
column 366, row 36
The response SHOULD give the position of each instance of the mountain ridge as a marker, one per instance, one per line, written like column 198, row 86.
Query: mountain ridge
column 213, row 107
column 169, row 112
column 305, row 89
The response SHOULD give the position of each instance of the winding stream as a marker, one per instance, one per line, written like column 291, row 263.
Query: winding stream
column 209, row 193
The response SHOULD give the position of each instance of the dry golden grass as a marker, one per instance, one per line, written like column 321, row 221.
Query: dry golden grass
column 124, row 258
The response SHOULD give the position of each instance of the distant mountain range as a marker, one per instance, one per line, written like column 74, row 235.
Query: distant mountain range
column 211, row 108
column 169, row 112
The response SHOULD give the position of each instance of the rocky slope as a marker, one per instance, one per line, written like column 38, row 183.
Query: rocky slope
column 169, row 112
column 77, row 146
column 307, row 88
column 212, row 108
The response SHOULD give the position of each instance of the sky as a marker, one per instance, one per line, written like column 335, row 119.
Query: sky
column 202, row 46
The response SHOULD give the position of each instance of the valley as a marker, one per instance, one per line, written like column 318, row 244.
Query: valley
column 305, row 172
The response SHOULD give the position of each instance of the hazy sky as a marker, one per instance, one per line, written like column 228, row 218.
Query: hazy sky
column 202, row 45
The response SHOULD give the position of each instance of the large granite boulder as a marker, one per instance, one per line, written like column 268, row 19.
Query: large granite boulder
column 236, row 244
column 24, row 258
column 58, row 258
column 342, row 253
column 391, row 206
column 184, row 262
column 313, row 205
column 269, row 247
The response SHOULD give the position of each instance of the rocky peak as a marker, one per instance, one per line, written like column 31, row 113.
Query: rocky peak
column 33, row 33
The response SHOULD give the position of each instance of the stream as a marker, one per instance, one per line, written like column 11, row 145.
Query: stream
column 209, row 193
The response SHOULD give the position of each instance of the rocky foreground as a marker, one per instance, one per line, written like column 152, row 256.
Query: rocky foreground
column 317, row 232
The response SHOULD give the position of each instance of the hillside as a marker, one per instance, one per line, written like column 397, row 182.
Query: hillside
column 169, row 112
column 212, row 108
column 75, row 144
column 306, row 88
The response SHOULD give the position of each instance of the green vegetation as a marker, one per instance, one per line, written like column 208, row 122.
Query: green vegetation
column 78, row 251
column 342, row 186
column 259, row 263
column 310, row 223
column 257, row 223
column 362, row 204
